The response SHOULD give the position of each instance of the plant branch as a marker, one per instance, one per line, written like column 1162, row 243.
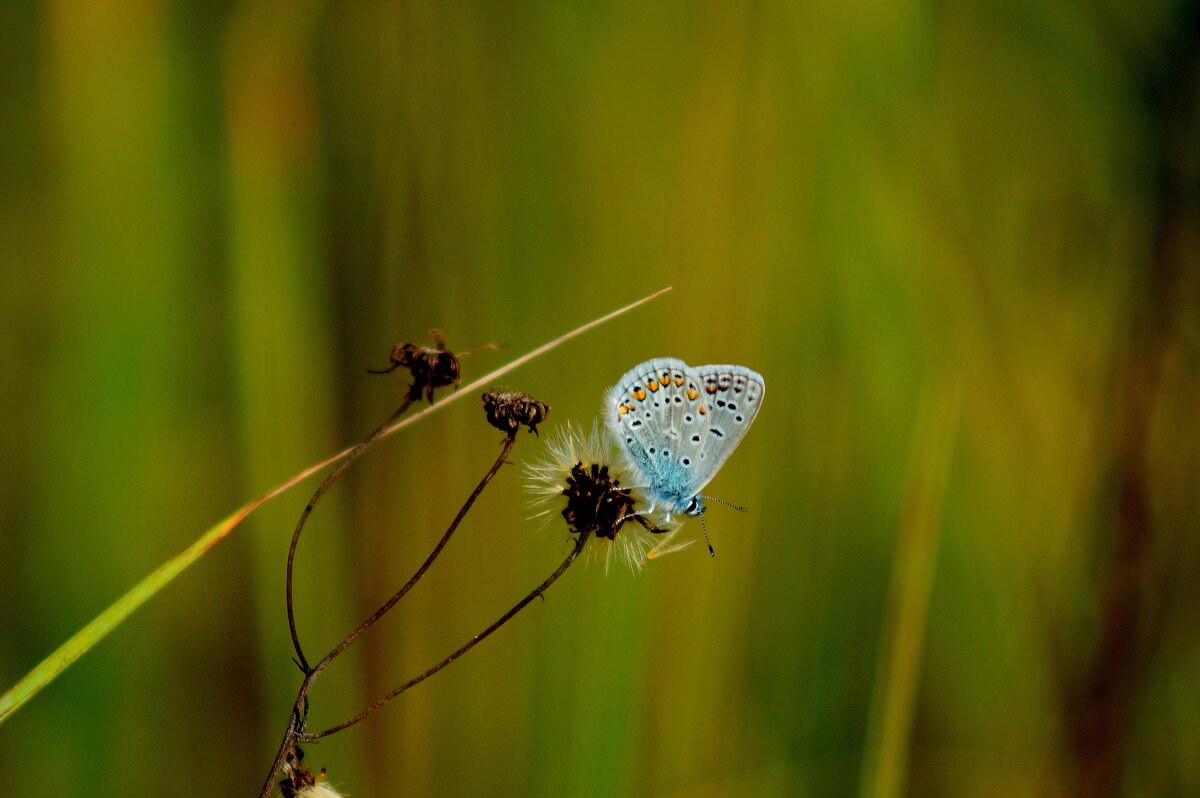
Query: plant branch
column 509, row 442
column 479, row 638
column 316, row 497
column 295, row 723
column 115, row 614
column 293, row 734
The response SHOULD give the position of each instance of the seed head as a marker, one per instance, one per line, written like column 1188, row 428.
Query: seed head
column 507, row 411
column 595, row 502
column 299, row 782
column 576, row 471
column 431, row 367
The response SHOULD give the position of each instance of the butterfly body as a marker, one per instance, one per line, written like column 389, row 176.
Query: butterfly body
column 678, row 424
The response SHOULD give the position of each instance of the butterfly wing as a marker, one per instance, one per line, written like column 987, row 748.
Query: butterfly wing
column 729, row 401
column 635, row 410
column 679, row 424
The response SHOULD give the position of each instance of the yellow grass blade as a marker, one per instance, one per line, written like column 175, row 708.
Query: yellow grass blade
column 896, row 673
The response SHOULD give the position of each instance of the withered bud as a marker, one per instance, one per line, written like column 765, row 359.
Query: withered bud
column 596, row 502
column 508, row 410
column 296, row 777
column 431, row 367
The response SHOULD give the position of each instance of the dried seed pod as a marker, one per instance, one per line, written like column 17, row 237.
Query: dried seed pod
column 296, row 777
column 431, row 367
column 507, row 411
column 596, row 501
column 576, row 466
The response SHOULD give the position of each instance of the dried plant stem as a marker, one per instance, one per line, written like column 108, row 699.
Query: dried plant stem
column 293, row 734
column 476, row 640
column 316, row 497
column 116, row 613
column 387, row 429
column 509, row 442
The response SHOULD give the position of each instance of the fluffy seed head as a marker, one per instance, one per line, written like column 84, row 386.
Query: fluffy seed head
column 576, row 479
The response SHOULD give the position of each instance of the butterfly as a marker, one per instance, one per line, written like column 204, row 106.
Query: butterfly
column 678, row 424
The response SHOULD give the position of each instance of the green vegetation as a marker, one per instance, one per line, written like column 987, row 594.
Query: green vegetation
column 959, row 241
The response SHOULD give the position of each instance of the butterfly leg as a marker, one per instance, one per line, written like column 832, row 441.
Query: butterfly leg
column 649, row 526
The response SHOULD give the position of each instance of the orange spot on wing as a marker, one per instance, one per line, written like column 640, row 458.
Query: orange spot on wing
column 622, row 409
column 652, row 385
column 711, row 389
column 703, row 409
column 639, row 394
column 692, row 394
column 678, row 382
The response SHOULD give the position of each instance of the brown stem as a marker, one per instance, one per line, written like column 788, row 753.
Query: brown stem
column 289, row 738
column 479, row 638
column 292, row 734
column 1100, row 705
column 441, row 544
column 329, row 480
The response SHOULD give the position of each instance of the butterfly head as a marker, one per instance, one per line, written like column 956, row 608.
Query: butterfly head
column 695, row 507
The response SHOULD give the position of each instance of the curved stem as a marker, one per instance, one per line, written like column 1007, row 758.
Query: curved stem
column 292, row 735
column 316, row 497
column 479, row 638
column 441, row 544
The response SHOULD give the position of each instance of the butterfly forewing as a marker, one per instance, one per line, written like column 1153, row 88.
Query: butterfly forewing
column 638, row 411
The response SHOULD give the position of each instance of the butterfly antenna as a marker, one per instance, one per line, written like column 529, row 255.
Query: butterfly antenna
column 711, row 553
column 727, row 504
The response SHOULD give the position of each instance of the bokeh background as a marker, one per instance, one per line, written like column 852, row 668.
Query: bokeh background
column 958, row 239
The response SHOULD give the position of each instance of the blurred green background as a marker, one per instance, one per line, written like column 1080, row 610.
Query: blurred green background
column 958, row 239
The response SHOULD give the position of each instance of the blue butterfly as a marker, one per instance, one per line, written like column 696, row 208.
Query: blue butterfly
column 678, row 424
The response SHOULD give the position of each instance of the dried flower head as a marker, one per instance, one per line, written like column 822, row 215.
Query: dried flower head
column 299, row 782
column 507, row 411
column 576, row 479
column 431, row 367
